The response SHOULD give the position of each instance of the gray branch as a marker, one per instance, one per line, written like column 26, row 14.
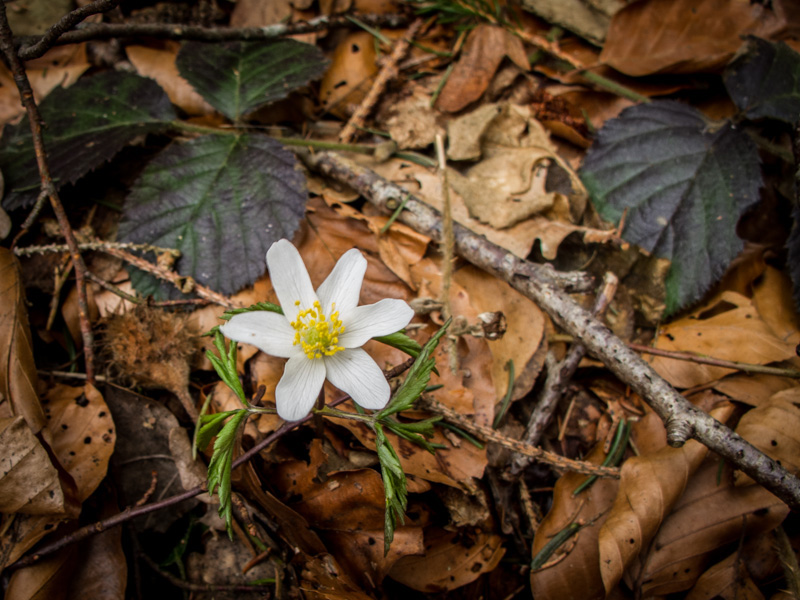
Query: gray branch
column 682, row 420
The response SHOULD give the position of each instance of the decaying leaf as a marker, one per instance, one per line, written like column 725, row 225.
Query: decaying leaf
column 348, row 79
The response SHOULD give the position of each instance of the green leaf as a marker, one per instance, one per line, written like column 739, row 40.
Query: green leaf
column 222, row 200
column 394, row 486
column 225, row 365
column 683, row 181
column 85, row 125
column 764, row 80
column 238, row 77
column 417, row 379
column 219, row 469
column 211, row 425
column 402, row 342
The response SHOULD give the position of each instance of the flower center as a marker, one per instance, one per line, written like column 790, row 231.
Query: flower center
column 318, row 334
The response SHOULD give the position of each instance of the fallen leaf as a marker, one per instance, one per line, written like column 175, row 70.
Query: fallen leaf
column 736, row 333
column 451, row 559
column 484, row 50
column 322, row 578
column 728, row 579
column 350, row 74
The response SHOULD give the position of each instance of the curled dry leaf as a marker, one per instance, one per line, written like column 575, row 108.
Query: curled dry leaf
column 711, row 513
column 649, row 487
column 574, row 570
column 484, row 50
column 734, row 331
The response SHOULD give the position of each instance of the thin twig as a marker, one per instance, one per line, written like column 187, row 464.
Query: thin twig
column 716, row 362
column 94, row 245
column 34, row 119
column 682, row 420
column 388, row 72
column 490, row 435
column 173, row 31
column 132, row 513
column 558, row 377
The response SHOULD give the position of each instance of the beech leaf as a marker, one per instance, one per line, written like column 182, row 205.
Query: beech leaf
column 222, row 200
column 682, row 182
column 239, row 77
column 85, row 125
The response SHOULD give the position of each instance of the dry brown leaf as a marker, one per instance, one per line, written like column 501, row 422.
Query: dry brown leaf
column 684, row 36
column 523, row 337
column 257, row 13
column 18, row 378
column 773, row 428
column 711, row 513
column 649, row 487
column 29, row 483
column 484, row 50
column 728, row 579
column 772, row 297
column 411, row 121
column 451, row 559
column 323, row 579
column 737, row 334
column 159, row 64
column 577, row 575
column 754, row 388
column 348, row 79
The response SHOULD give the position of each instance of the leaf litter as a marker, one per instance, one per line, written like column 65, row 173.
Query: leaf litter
column 309, row 513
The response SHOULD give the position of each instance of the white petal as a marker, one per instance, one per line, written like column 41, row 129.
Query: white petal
column 381, row 318
column 267, row 331
column 298, row 389
column 354, row 372
column 343, row 285
column 289, row 278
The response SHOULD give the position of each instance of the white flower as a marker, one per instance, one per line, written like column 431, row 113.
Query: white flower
column 320, row 333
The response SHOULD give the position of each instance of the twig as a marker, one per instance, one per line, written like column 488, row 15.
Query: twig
column 448, row 252
column 490, row 435
column 203, row 587
column 388, row 72
column 66, row 23
column 682, row 420
column 132, row 513
column 34, row 119
column 171, row 31
column 185, row 284
column 716, row 362
column 93, row 245
column 558, row 376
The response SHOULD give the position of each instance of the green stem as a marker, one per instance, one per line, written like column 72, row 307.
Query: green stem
column 340, row 414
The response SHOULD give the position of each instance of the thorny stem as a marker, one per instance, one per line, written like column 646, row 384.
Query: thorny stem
column 170, row 31
column 131, row 513
column 34, row 118
column 682, row 420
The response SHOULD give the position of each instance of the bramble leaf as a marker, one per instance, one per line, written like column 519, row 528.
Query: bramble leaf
column 238, row 77
column 684, row 183
column 85, row 125
column 222, row 200
column 764, row 80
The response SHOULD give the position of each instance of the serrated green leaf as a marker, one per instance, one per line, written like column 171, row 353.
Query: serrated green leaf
column 211, row 425
column 222, row 200
column 417, row 379
column 219, row 468
column 764, row 80
column 684, row 185
column 238, row 77
column 85, row 125
column 402, row 342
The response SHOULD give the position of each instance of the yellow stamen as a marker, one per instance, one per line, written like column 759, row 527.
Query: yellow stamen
column 318, row 334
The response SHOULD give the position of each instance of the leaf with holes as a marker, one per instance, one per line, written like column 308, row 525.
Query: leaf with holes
column 222, row 200
column 86, row 125
column 764, row 80
column 682, row 182
column 239, row 77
